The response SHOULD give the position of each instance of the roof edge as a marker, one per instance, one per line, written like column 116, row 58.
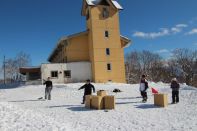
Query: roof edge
column 127, row 40
column 65, row 38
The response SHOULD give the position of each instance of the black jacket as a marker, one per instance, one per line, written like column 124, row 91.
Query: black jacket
column 88, row 89
column 143, row 85
column 48, row 83
column 175, row 86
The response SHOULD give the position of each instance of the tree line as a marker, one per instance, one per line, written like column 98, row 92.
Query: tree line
column 182, row 64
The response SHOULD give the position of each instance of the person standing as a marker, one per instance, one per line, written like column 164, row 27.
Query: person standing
column 88, row 87
column 175, row 90
column 49, row 87
column 143, row 88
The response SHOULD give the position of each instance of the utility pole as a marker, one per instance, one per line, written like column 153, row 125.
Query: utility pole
column 4, row 69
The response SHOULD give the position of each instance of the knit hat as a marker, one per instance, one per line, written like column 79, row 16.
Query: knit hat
column 174, row 79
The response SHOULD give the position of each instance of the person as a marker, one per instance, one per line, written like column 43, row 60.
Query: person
column 175, row 90
column 143, row 88
column 88, row 87
column 49, row 87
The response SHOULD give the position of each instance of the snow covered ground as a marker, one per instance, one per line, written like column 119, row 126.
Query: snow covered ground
column 20, row 110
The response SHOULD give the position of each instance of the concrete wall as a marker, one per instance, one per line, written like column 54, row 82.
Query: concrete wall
column 80, row 71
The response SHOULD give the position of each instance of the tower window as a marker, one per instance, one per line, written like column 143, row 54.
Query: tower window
column 88, row 15
column 105, row 13
column 106, row 33
column 107, row 51
column 109, row 67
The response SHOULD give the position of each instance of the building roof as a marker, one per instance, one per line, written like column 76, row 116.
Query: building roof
column 126, row 40
column 64, row 39
column 73, row 35
column 117, row 5
column 92, row 2
column 96, row 2
column 29, row 69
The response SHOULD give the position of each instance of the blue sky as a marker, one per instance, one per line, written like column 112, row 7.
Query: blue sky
column 34, row 26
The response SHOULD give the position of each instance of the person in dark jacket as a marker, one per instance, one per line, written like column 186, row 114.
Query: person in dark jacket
column 143, row 88
column 88, row 87
column 49, row 87
column 175, row 90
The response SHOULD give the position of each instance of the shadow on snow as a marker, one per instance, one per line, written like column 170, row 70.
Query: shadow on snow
column 146, row 106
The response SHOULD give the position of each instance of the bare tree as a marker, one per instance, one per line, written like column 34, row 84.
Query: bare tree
column 22, row 59
column 145, row 62
column 11, row 68
column 12, row 65
column 186, row 63
column 133, row 67
column 183, row 65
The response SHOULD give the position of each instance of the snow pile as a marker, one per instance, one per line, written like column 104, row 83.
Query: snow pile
column 13, row 118
column 20, row 109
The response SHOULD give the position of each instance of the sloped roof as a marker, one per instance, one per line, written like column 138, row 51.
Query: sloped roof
column 92, row 2
column 126, row 40
column 29, row 69
column 63, row 39
column 96, row 2
column 117, row 5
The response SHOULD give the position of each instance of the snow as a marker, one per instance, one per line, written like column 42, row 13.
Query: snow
column 117, row 5
column 95, row 2
column 15, row 118
column 20, row 109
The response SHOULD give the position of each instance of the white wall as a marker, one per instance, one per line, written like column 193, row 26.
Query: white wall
column 80, row 71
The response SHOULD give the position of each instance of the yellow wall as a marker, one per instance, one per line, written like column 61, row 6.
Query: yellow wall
column 77, row 49
column 58, row 58
column 73, row 49
column 98, row 44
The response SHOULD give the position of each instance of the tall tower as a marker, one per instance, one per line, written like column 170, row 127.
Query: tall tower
column 106, row 46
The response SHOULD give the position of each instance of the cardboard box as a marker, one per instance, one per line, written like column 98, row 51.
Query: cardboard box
column 101, row 93
column 97, row 102
column 109, row 102
column 161, row 100
column 88, row 101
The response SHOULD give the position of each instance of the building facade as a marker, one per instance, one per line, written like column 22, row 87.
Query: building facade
column 66, row 73
column 101, row 44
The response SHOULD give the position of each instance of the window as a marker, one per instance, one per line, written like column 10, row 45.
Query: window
column 88, row 15
column 67, row 74
column 106, row 33
column 66, row 59
column 105, row 13
column 54, row 74
column 109, row 67
column 107, row 51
